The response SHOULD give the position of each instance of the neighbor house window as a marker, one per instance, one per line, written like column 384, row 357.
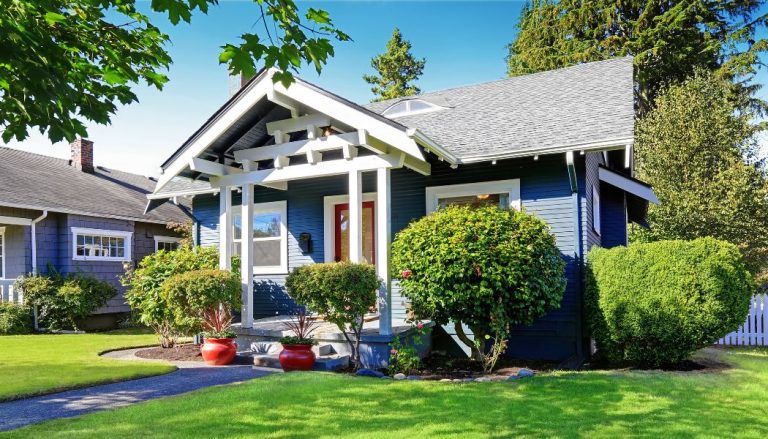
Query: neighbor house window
column 595, row 210
column 101, row 245
column 270, row 237
column 2, row 252
column 502, row 193
column 167, row 243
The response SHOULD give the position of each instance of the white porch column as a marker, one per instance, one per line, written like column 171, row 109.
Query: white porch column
column 246, row 252
column 383, row 237
column 225, row 228
column 355, row 216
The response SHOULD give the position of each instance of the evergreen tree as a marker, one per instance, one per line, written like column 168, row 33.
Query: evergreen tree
column 668, row 39
column 698, row 148
column 396, row 70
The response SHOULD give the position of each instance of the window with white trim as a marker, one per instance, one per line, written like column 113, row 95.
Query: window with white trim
column 2, row 252
column 270, row 236
column 101, row 245
column 167, row 243
column 409, row 107
column 595, row 210
column 504, row 193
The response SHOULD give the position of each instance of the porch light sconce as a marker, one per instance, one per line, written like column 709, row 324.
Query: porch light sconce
column 305, row 242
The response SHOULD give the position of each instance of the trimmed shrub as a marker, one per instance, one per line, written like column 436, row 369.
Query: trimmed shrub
column 202, row 300
column 145, row 285
column 15, row 319
column 655, row 304
column 342, row 292
column 63, row 301
column 486, row 267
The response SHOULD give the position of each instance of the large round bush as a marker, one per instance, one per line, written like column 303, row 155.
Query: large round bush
column 655, row 304
column 486, row 267
column 202, row 300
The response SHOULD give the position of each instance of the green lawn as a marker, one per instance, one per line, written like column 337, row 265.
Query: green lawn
column 731, row 403
column 35, row 364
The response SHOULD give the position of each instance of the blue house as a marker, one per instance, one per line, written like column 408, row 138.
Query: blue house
column 72, row 216
column 313, row 177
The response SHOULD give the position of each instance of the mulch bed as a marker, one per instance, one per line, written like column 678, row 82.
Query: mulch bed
column 184, row 352
column 436, row 367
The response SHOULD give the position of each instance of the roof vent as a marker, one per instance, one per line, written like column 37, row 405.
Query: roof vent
column 82, row 155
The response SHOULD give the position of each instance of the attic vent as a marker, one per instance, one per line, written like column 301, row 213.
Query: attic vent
column 410, row 106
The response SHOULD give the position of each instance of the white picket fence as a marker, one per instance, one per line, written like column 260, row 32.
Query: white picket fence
column 9, row 293
column 754, row 331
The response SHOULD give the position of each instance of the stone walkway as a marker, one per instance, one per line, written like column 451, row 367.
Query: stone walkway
column 190, row 376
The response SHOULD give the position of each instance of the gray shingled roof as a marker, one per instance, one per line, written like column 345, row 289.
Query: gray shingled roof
column 586, row 103
column 40, row 182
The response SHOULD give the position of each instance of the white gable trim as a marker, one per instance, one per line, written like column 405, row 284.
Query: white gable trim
column 628, row 185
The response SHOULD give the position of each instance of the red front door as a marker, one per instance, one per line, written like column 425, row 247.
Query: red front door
column 341, row 232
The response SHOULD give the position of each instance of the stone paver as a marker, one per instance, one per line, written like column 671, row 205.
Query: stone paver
column 190, row 376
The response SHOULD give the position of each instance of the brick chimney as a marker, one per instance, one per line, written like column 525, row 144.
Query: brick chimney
column 82, row 155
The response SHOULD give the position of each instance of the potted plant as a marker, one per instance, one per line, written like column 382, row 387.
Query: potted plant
column 219, row 347
column 297, row 348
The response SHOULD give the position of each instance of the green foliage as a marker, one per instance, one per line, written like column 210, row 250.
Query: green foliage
column 293, row 340
column 655, row 304
column 202, row 300
column 145, row 286
column 404, row 356
column 62, row 301
column 66, row 62
column 486, row 267
column 699, row 152
column 668, row 40
column 342, row 292
column 15, row 319
column 396, row 70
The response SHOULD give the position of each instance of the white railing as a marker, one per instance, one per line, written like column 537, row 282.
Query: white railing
column 9, row 293
column 754, row 331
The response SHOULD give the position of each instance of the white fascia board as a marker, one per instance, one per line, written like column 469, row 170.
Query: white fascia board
column 603, row 145
column 298, row 172
column 15, row 221
column 628, row 185
column 257, row 90
column 431, row 145
column 352, row 117
column 85, row 213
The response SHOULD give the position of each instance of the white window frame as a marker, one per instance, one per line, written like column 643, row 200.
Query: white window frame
column 3, row 252
column 510, row 187
column 329, row 222
column 596, row 210
column 406, row 103
column 165, row 239
column 274, row 206
column 127, row 242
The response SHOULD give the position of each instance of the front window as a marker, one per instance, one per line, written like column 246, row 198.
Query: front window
column 101, row 245
column 167, row 243
column 270, row 237
column 502, row 193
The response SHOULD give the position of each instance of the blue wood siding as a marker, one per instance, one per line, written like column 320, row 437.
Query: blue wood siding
column 545, row 192
column 613, row 216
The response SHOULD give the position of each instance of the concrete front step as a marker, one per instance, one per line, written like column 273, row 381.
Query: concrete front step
column 322, row 363
column 274, row 348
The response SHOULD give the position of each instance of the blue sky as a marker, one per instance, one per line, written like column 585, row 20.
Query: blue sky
column 463, row 42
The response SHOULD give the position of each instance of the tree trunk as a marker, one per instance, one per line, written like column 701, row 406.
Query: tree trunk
column 476, row 354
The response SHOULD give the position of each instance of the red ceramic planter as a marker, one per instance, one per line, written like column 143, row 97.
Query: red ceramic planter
column 297, row 357
column 218, row 351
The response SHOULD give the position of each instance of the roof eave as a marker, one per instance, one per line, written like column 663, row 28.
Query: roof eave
column 603, row 145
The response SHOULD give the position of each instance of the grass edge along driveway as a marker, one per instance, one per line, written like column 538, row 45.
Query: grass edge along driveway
column 614, row 403
column 47, row 363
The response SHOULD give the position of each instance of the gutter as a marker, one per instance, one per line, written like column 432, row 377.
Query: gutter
column 34, row 239
column 578, row 250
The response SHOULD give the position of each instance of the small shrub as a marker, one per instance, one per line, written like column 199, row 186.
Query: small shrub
column 404, row 357
column 342, row 292
column 145, row 284
column 62, row 301
column 301, row 325
column 485, row 267
column 202, row 300
column 15, row 319
column 655, row 304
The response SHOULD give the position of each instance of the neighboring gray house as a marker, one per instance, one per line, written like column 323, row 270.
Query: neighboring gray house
column 323, row 179
column 74, row 216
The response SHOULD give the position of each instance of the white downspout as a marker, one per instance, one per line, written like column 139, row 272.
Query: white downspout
column 34, row 240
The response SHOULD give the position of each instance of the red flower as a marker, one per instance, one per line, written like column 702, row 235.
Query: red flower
column 420, row 325
column 406, row 273
column 393, row 351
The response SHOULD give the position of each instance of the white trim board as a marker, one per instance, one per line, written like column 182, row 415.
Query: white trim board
column 511, row 187
column 127, row 242
column 273, row 206
column 628, row 185
column 15, row 221
column 329, row 229
column 3, row 251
